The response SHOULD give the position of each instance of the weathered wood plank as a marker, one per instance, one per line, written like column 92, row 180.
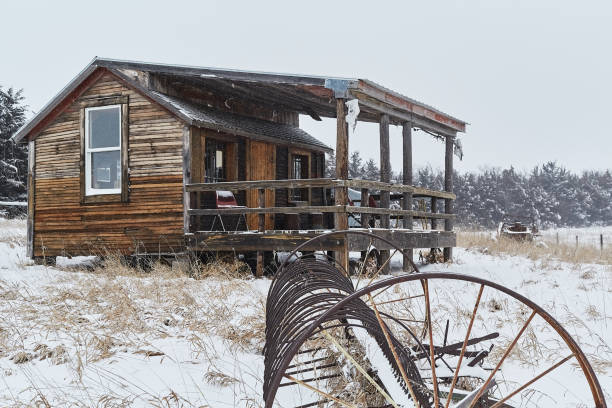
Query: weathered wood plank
column 404, row 239
column 31, row 197
column 341, row 193
column 448, row 186
column 385, row 177
column 266, row 241
column 288, row 240
column 407, row 180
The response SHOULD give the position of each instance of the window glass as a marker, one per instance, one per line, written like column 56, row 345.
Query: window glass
column 104, row 128
column 103, row 150
column 214, row 162
column 106, row 170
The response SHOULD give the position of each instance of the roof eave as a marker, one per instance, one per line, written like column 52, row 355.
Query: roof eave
column 410, row 106
column 54, row 102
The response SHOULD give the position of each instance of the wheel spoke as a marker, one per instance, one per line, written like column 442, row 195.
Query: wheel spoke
column 393, row 351
column 431, row 344
column 361, row 370
column 318, row 391
column 365, row 261
column 534, row 379
column 463, row 347
column 382, row 267
column 398, row 300
column 501, row 361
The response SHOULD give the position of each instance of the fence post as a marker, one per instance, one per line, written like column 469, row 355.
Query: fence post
column 601, row 244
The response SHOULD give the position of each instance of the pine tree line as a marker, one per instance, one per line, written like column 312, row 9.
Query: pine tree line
column 549, row 194
column 13, row 157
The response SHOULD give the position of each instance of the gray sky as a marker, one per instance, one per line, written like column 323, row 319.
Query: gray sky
column 531, row 77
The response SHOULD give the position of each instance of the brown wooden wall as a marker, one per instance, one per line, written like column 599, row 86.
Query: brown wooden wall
column 151, row 221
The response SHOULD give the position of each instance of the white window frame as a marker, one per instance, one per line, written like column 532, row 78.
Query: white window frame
column 89, row 191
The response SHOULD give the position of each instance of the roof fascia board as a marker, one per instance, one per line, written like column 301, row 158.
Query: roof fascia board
column 405, row 117
column 216, row 73
column 406, row 104
column 55, row 107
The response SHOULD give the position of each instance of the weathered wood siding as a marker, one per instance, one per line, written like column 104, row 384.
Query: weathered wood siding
column 151, row 221
column 261, row 165
column 281, row 194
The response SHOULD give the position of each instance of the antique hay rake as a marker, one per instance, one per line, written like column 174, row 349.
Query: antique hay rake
column 415, row 339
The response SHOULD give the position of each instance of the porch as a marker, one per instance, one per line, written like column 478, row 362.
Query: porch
column 303, row 222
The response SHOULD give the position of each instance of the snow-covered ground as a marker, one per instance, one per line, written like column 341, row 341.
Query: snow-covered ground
column 72, row 337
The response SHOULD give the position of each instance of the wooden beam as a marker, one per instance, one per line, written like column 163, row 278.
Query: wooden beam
column 398, row 116
column 256, row 184
column 410, row 106
column 319, row 209
column 31, row 197
column 187, row 141
column 448, row 186
column 288, row 240
column 261, row 202
column 407, row 180
column 262, row 241
column 341, row 193
column 365, row 199
column 434, row 210
column 318, row 183
column 385, row 177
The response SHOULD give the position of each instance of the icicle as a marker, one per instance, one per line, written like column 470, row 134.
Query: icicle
column 353, row 112
column 458, row 148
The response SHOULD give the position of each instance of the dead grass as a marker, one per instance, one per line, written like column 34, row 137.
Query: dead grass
column 111, row 310
column 545, row 253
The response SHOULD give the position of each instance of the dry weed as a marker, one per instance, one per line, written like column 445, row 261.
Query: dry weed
column 546, row 254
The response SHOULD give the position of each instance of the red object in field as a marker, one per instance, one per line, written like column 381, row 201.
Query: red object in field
column 226, row 199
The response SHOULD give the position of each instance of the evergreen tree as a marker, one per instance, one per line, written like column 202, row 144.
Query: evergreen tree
column 13, row 157
column 355, row 166
column 371, row 170
column 330, row 165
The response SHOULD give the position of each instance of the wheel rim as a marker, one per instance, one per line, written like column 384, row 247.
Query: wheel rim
column 342, row 297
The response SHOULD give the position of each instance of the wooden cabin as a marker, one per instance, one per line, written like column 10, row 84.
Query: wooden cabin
column 147, row 158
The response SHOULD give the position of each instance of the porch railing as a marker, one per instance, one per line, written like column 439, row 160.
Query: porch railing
column 364, row 186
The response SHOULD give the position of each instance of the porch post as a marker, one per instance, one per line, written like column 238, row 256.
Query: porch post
column 448, row 186
column 341, row 193
column 407, row 180
column 385, row 176
column 186, row 177
column 31, row 198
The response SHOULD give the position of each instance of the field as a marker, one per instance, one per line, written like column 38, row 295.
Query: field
column 82, row 334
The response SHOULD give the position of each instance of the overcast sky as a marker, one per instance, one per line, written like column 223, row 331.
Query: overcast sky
column 533, row 78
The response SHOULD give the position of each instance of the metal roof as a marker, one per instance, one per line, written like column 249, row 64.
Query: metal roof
column 205, row 117
column 307, row 94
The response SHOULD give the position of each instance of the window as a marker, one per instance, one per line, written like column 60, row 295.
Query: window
column 214, row 161
column 103, row 150
column 299, row 170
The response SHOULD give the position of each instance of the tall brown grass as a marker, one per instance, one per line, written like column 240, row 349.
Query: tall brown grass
column 534, row 250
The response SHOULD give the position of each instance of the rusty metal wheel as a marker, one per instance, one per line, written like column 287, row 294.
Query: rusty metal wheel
column 422, row 339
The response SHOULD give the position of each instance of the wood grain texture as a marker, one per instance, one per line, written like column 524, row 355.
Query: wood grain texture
column 261, row 165
column 152, row 220
column 448, row 186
